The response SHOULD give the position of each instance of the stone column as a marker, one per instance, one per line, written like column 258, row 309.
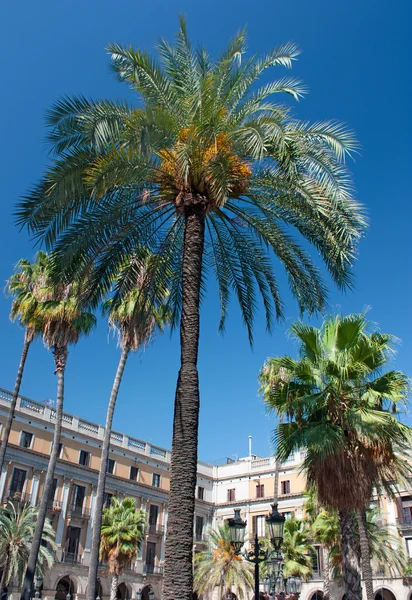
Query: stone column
column 88, row 542
column 62, row 516
column 35, row 486
column 162, row 547
column 3, row 478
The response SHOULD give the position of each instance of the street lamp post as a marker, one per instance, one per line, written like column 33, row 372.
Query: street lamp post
column 257, row 555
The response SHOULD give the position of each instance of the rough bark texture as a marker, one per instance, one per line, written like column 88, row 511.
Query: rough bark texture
column 4, row 577
column 351, row 566
column 27, row 341
column 113, row 587
column 326, row 573
column 101, row 484
column 178, row 570
column 367, row 572
column 60, row 358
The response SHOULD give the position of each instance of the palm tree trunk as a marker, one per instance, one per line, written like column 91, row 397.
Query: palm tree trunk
column 367, row 572
column 326, row 573
column 60, row 357
column 26, row 345
column 4, row 575
column 113, row 587
column 351, row 566
column 178, row 573
column 97, row 518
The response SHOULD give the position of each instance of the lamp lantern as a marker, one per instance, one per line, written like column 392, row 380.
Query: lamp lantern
column 237, row 529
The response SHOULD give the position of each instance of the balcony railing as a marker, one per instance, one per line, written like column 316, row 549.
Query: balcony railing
column 155, row 529
column 71, row 558
column 54, row 506
column 404, row 522
column 78, row 512
column 17, row 497
column 152, row 570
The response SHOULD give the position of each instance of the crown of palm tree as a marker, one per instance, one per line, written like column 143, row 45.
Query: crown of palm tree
column 220, row 567
column 122, row 533
column 297, row 549
column 204, row 137
column 17, row 525
column 135, row 317
column 343, row 409
column 27, row 286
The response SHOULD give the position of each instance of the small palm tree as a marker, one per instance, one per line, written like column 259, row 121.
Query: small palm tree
column 326, row 531
column 219, row 567
column 341, row 410
column 64, row 321
column 209, row 173
column 17, row 523
column 25, row 286
column 135, row 320
column 297, row 549
column 122, row 534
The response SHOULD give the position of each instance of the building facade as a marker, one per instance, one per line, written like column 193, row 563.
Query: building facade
column 141, row 470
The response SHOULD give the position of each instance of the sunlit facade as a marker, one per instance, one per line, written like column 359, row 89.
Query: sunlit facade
column 141, row 470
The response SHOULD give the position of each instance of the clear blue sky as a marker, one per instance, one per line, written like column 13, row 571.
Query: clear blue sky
column 356, row 61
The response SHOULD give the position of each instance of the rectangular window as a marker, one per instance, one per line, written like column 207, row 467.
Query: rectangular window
column 134, row 473
column 153, row 515
column 199, row 528
column 26, row 439
column 156, row 480
column 287, row 515
column 53, row 492
column 84, row 458
column 72, row 541
column 107, row 499
column 409, row 547
column 150, row 556
column 260, row 526
column 200, row 492
column 285, row 487
column 316, row 559
column 231, row 495
column 260, row 490
column 79, row 492
column 17, row 482
column 110, row 466
column 60, row 454
column 407, row 515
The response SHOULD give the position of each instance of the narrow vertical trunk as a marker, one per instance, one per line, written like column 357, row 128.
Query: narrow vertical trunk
column 60, row 357
column 26, row 345
column 351, row 566
column 3, row 579
column 98, row 508
column 276, row 477
column 367, row 572
column 326, row 573
column 178, row 570
column 113, row 587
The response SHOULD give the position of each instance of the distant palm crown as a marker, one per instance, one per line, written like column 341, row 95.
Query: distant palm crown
column 204, row 138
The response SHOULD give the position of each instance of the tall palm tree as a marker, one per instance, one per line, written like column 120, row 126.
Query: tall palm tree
column 64, row 321
column 220, row 567
column 341, row 409
column 17, row 523
column 208, row 172
column 121, row 537
column 297, row 549
column 25, row 286
column 135, row 320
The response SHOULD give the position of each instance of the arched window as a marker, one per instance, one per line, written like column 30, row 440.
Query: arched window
column 318, row 595
column 384, row 594
column 65, row 587
column 123, row 592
